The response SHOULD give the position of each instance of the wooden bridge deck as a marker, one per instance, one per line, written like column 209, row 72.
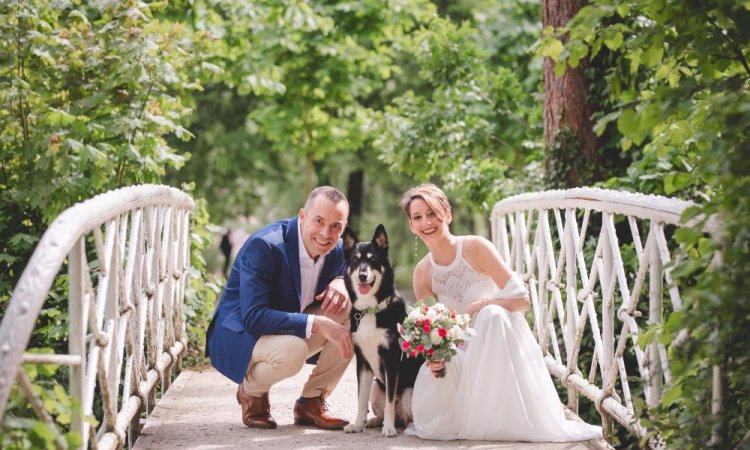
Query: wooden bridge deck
column 199, row 412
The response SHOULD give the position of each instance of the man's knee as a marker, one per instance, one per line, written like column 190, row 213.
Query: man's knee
column 288, row 354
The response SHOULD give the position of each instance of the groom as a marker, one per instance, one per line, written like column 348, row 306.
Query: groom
column 285, row 300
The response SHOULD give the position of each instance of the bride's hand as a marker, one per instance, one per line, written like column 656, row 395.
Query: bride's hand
column 474, row 307
column 435, row 367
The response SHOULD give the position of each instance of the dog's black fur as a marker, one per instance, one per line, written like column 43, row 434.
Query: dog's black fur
column 377, row 310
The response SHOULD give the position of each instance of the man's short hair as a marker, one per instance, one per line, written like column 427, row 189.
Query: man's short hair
column 329, row 192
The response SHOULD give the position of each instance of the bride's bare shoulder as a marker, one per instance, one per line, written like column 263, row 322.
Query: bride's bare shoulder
column 423, row 267
column 474, row 243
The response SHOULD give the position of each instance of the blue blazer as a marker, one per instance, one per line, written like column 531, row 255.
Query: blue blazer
column 262, row 296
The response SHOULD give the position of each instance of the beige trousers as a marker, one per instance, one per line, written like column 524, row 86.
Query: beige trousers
column 276, row 357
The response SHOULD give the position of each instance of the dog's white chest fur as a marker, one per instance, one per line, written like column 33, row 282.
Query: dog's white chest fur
column 370, row 338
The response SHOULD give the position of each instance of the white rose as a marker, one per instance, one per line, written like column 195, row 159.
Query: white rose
column 435, row 337
column 454, row 333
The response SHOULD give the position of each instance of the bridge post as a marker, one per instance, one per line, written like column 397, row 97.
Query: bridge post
column 77, row 316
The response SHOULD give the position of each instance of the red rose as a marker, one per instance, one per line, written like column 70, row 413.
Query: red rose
column 405, row 345
column 413, row 354
column 420, row 348
column 427, row 322
column 430, row 351
column 442, row 332
column 426, row 328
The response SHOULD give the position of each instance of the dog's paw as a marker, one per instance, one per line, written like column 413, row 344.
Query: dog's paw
column 354, row 427
column 374, row 422
column 389, row 431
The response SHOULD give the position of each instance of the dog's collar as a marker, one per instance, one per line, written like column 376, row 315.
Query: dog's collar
column 372, row 309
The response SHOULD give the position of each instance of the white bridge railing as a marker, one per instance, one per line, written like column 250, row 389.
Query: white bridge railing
column 126, row 330
column 548, row 238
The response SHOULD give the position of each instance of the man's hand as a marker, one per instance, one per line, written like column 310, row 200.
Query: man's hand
column 334, row 297
column 336, row 333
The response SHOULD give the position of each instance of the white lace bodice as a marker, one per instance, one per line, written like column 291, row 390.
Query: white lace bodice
column 458, row 284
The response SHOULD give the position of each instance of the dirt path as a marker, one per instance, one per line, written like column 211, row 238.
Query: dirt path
column 200, row 412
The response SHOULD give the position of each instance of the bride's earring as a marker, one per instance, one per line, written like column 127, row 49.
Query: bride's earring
column 416, row 244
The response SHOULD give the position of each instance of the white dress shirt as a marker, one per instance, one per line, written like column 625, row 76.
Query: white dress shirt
column 309, row 271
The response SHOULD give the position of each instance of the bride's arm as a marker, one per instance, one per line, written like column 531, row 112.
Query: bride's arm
column 422, row 280
column 422, row 289
column 484, row 258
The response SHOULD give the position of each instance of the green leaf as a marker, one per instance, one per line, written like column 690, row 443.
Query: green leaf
column 42, row 436
column 627, row 123
column 58, row 117
column 63, row 418
column 646, row 337
column 553, row 49
column 50, row 404
column 577, row 51
column 673, row 394
column 685, row 268
column 653, row 55
column 74, row 439
column 601, row 124
column 4, row 257
column 706, row 246
column 62, row 396
column 688, row 236
column 613, row 40
column 669, row 183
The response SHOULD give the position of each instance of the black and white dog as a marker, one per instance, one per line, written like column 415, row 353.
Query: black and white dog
column 377, row 310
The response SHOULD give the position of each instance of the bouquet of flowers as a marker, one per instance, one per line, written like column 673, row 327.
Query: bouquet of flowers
column 433, row 330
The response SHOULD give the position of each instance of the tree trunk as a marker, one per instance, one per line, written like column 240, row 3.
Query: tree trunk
column 567, row 110
column 354, row 195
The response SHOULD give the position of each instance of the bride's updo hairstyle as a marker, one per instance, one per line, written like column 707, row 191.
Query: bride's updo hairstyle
column 432, row 195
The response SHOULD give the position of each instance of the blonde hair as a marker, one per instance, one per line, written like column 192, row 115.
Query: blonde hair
column 432, row 195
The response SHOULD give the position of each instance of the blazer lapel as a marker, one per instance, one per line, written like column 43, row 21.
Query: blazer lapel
column 291, row 240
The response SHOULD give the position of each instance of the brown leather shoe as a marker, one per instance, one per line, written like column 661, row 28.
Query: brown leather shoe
column 314, row 411
column 256, row 411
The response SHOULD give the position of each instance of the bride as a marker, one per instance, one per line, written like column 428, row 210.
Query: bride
column 497, row 387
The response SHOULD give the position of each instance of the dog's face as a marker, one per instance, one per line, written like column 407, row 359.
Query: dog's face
column 367, row 266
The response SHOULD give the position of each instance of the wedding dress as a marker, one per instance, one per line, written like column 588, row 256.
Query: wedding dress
column 497, row 387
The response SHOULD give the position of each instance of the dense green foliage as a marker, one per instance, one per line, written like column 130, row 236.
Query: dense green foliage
column 678, row 82
column 86, row 104
column 89, row 97
column 476, row 124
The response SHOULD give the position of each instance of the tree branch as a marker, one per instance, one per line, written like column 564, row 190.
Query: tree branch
column 732, row 43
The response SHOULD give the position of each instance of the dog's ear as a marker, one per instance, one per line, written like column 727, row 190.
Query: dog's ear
column 380, row 238
column 349, row 239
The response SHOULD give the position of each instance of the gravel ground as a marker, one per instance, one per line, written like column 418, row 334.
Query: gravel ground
column 200, row 412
